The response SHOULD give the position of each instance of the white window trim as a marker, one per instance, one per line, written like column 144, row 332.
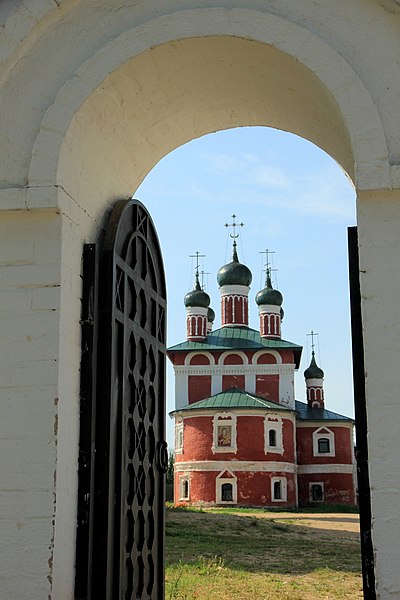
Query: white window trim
column 311, row 483
column 283, row 482
column 218, row 488
column 178, row 430
column 273, row 422
column 182, row 480
column 324, row 432
column 219, row 420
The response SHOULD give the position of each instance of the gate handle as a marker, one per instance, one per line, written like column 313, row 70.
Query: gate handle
column 162, row 457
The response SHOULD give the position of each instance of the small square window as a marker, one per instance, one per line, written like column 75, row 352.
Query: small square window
column 324, row 446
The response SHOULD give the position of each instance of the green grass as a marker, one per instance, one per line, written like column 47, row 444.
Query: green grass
column 216, row 554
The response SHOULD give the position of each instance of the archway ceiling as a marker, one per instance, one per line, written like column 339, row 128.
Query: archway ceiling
column 65, row 36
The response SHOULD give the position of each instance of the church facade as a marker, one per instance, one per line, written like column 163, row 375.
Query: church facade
column 241, row 437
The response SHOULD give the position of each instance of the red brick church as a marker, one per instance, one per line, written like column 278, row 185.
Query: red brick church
column 241, row 437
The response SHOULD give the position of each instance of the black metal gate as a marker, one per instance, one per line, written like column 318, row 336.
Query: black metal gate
column 123, row 455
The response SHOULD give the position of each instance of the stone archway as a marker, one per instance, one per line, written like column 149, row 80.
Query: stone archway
column 93, row 95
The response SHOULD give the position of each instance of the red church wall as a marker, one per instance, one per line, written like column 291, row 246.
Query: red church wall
column 266, row 359
column 199, row 387
column 198, row 441
column 233, row 359
column 267, row 386
column 287, row 356
column 199, row 359
column 338, row 488
column 343, row 446
column 229, row 381
column 253, row 489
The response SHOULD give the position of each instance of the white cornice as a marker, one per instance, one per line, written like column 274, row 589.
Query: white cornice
column 326, row 468
column 276, row 369
column 236, row 465
column 251, row 412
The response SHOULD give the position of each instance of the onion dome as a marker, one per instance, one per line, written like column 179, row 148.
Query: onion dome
column 313, row 371
column 210, row 315
column 197, row 297
column 234, row 273
column 268, row 295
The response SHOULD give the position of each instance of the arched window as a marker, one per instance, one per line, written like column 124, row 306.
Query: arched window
column 316, row 492
column 184, row 488
column 278, row 489
column 273, row 434
column 272, row 437
column 226, row 488
column 227, row 492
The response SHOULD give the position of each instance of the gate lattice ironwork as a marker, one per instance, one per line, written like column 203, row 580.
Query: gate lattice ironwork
column 123, row 455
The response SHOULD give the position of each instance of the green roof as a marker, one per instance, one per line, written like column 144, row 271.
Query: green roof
column 233, row 398
column 238, row 338
column 305, row 413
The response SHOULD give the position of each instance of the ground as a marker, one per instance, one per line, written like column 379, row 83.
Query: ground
column 257, row 555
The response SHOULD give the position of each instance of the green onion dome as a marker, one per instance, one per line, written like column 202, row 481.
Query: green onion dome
column 197, row 297
column 234, row 273
column 210, row 315
column 268, row 295
column 313, row 371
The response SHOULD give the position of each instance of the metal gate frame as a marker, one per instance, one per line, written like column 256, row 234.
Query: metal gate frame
column 123, row 455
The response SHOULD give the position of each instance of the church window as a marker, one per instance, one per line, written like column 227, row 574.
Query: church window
column 226, row 492
column 323, row 442
column 278, row 489
column 316, row 492
column 273, row 434
column 224, row 438
column 323, row 446
column 179, row 437
column 226, row 488
column 184, row 488
column 272, row 437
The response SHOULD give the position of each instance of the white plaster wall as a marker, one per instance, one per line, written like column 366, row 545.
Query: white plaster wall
column 92, row 94
column 30, row 277
column 379, row 240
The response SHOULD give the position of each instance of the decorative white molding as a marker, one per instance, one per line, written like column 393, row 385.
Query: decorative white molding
column 179, row 435
column 184, row 488
column 325, row 468
column 273, row 422
column 224, row 421
column 220, row 481
column 314, row 424
column 237, row 465
column 324, row 433
column 191, row 355
column 283, row 488
column 274, row 353
column 234, row 290
column 251, row 412
column 230, row 352
column 247, row 369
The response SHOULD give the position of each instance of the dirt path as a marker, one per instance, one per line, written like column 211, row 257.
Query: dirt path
column 333, row 522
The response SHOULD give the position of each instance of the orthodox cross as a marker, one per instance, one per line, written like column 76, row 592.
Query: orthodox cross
column 234, row 225
column 312, row 334
column 202, row 273
column 268, row 270
column 197, row 255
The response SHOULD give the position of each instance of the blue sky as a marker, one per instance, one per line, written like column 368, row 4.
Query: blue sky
column 293, row 199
